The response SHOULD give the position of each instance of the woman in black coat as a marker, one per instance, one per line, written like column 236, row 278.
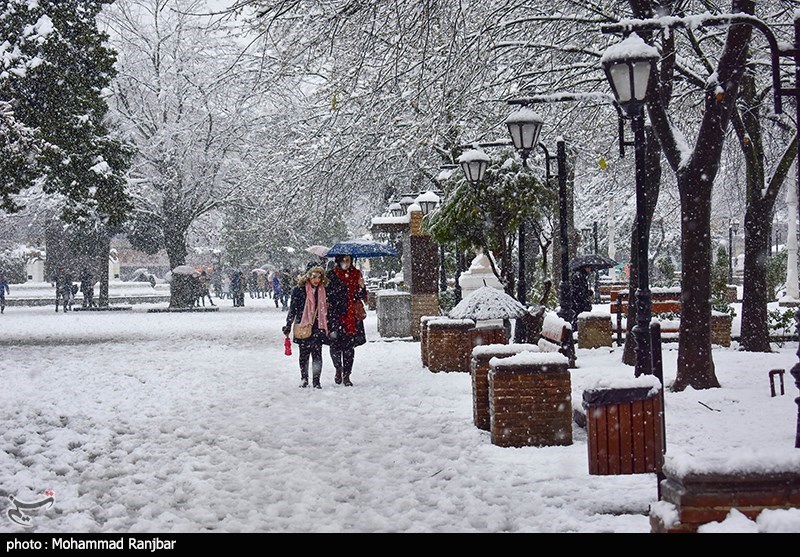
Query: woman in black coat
column 346, row 293
column 309, row 305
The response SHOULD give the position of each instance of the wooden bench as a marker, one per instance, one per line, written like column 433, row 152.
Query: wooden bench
column 663, row 302
column 556, row 336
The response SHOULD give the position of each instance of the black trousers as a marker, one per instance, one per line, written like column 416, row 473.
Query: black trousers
column 314, row 351
column 343, row 359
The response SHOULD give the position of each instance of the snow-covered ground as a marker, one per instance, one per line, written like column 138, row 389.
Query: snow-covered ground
column 181, row 422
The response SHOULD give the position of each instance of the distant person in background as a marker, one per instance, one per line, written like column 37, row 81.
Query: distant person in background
column 63, row 289
column 581, row 293
column 204, row 288
column 261, row 285
column 277, row 290
column 3, row 291
column 87, row 289
column 237, row 288
column 253, row 284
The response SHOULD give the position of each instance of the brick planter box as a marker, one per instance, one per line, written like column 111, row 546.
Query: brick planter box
column 690, row 500
column 481, row 355
column 449, row 344
column 423, row 336
column 721, row 328
column 624, row 429
column 493, row 334
column 594, row 330
column 530, row 400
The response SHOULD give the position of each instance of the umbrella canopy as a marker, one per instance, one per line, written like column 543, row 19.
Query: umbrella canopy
column 488, row 303
column 594, row 261
column 259, row 271
column 319, row 251
column 361, row 248
column 185, row 270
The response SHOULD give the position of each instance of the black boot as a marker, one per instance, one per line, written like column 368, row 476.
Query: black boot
column 338, row 377
column 315, row 382
column 304, row 380
column 346, row 380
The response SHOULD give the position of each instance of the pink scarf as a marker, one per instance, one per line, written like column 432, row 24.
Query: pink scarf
column 308, row 310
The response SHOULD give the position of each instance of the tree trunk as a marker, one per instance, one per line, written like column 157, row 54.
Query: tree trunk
column 755, row 327
column 175, row 243
column 695, row 364
column 102, row 267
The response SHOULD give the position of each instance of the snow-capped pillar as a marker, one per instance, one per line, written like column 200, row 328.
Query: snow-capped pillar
column 792, row 287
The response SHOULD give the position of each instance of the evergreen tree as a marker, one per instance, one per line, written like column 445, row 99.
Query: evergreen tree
column 57, row 70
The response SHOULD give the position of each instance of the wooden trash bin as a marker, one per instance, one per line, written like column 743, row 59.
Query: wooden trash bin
column 449, row 343
column 625, row 430
column 530, row 400
column 481, row 355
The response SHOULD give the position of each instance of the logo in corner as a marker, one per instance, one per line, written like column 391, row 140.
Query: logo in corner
column 17, row 513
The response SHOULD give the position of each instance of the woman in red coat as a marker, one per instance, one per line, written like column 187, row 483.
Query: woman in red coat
column 346, row 290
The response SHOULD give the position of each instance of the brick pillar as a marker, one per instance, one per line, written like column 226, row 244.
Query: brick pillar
column 721, row 328
column 530, row 400
column 594, row 330
column 481, row 355
column 450, row 344
column 420, row 272
column 422, row 305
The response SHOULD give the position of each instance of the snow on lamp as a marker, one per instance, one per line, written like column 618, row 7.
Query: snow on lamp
column 427, row 201
column 474, row 163
column 396, row 209
column 628, row 66
column 524, row 125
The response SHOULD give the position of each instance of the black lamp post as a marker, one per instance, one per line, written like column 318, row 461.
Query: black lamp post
column 525, row 126
column 596, row 273
column 733, row 228
column 396, row 209
column 628, row 66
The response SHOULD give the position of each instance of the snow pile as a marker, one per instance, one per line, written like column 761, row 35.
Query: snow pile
column 532, row 359
column 553, row 325
column 503, row 350
column 488, row 303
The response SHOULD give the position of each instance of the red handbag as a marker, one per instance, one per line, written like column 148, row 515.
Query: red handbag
column 287, row 346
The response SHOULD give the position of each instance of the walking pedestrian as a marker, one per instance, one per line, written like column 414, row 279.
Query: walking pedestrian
column 64, row 290
column 346, row 292
column 309, row 307
column 581, row 293
column 277, row 291
column 4, row 289
column 237, row 288
column 87, row 289
column 205, row 291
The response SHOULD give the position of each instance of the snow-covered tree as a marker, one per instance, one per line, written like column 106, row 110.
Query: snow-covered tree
column 188, row 105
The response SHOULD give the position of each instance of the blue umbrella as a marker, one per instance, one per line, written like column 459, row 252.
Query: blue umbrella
column 362, row 248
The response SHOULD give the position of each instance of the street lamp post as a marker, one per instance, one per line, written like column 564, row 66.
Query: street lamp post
column 596, row 273
column 525, row 126
column 733, row 228
column 628, row 66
